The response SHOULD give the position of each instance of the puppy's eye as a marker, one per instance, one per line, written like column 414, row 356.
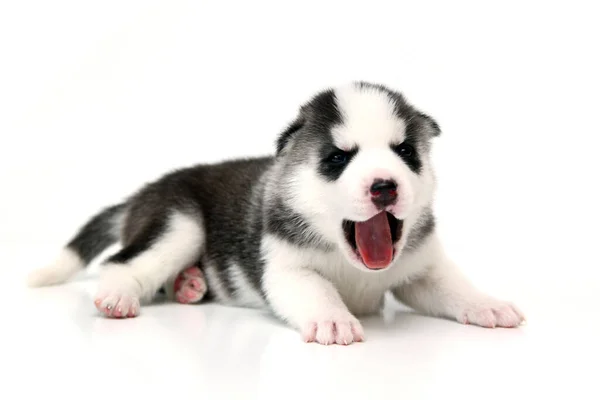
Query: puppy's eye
column 338, row 157
column 405, row 150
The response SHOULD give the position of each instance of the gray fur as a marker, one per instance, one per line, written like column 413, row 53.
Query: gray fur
column 421, row 230
column 99, row 233
column 287, row 224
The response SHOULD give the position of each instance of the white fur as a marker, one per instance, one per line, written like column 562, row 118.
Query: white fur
column 304, row 298
column 361, row 290
column 313, row 290
column 67, row 264
column 369, row 119
column 445, row 292
column 140, row 278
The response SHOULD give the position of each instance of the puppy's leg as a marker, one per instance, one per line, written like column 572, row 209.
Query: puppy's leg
column 307, row 300
column 445, row 292
column 135, row 274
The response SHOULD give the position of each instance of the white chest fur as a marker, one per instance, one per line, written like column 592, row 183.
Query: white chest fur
column 362, row 291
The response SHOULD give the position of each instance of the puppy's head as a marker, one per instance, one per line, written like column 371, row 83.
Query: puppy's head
column 356, row 165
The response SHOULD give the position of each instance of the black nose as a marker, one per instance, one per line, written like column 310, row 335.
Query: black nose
column 381, row 186
column 384, row 192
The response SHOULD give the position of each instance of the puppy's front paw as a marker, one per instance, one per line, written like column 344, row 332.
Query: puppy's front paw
column 490, row 313
column 341, row 329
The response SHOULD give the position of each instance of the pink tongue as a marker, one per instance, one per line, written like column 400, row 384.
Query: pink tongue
column 374, row 241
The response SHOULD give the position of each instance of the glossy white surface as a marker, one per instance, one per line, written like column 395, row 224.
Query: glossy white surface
column 99, row 97
column 57, row 344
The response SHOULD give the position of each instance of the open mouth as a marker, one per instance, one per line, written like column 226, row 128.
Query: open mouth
column 373, row 240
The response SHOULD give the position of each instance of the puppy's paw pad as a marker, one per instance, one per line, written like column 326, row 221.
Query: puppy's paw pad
column 492, row 313
column 190, row 286
column 336, row 330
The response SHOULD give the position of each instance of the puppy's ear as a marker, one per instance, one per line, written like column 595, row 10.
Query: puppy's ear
column 289, row 132
column 431, row 125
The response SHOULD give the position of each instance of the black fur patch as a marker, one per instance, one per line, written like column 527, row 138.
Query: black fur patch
column 97, row 234
column 413, row 161
column 330, row 170
column 318, row 116
column 230, row 201
column 323, row 112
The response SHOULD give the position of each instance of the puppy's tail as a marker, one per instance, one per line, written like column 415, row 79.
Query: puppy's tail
column 100, row 232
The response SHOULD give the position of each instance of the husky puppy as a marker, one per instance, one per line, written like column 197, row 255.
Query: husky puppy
column 318, row 233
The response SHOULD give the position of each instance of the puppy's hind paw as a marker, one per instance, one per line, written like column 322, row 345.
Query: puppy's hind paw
column 118, row 295
column 190, row 286
column 118, row 306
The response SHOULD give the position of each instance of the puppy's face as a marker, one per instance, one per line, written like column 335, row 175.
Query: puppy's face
column 357, row 161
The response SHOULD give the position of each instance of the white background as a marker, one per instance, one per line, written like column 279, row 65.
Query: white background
column 97, row 98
